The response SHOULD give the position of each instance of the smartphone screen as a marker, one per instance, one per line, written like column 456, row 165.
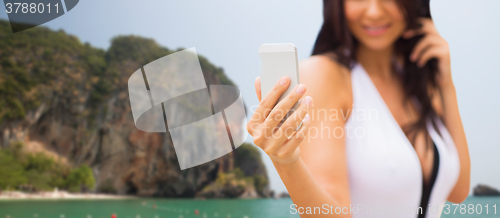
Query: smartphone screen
column 276, row 61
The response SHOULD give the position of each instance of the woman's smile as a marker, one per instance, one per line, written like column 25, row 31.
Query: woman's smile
column 376, row 30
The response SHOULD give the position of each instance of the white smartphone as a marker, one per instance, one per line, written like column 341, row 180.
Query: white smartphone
column 276, row 61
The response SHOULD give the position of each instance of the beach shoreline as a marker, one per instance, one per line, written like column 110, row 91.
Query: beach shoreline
column 59, row 195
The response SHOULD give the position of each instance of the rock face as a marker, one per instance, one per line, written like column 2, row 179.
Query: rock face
column 71, row 100
column 484, row 190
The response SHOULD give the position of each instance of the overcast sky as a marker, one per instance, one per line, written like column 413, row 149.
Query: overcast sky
column 230, row 32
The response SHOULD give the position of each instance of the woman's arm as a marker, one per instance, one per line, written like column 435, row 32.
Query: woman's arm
column 323, row 177
column 453, row 122
column 317, row 179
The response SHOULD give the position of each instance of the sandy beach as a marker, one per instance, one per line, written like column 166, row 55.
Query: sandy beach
column 10, row 195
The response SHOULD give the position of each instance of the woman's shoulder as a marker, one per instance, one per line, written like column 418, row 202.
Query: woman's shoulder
column 323, row 69
column 326, row 79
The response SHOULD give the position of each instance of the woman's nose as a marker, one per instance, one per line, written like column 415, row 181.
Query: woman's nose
column 374, row 10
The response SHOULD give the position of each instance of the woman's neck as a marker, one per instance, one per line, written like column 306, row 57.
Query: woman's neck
column 375, row 62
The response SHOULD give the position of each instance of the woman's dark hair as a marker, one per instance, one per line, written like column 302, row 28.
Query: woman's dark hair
column 336, row 41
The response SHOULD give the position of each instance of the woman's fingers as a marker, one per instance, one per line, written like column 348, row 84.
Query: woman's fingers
column 257, row 88
column 426, row 56
column 267, row 103
column 429, row 46
column 427, row 27
column 264, row 122
column 427, row 24
column 283, row 107
column 413, row 32
column 292, row 123
column 288, row 128
column 291, row 144
column 420, row 48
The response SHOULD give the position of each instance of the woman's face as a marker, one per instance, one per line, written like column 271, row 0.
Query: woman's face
column 376, row 24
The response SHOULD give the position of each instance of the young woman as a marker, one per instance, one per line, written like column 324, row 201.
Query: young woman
column 383, row 137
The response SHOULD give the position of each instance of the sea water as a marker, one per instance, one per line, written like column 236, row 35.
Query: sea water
column 189, row 208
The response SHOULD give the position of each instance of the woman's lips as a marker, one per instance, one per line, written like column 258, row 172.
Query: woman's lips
column 376, row 30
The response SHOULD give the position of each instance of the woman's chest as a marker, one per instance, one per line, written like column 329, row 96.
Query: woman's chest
column 405, row 114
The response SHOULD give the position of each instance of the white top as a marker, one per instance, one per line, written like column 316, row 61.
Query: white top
column 385, row 175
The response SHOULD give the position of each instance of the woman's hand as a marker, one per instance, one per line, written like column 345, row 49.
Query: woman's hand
column 280, row 142
column 432, row 45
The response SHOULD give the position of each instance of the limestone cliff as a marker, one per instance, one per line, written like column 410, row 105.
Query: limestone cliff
column 485, row 190
column 70, row 100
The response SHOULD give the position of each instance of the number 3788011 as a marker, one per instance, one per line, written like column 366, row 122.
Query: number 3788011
column 469, row 209
column 31, row 8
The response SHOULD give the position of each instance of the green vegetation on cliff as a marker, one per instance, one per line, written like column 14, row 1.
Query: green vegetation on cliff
column 37, row 172
column 248, row 160
column 248, row 178
column 32, row 60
